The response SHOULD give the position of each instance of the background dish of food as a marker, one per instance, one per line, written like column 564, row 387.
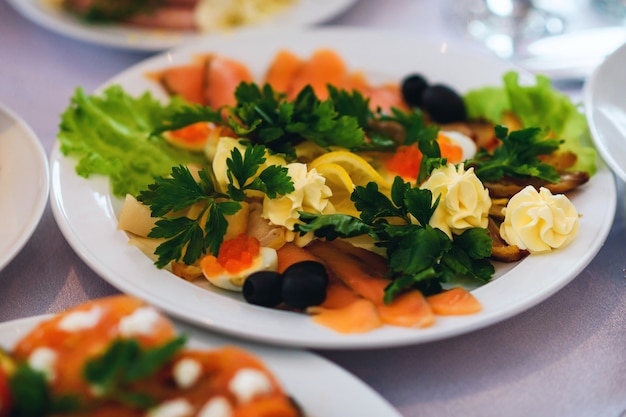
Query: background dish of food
column 24, row 183
column 320, row 387
column 301, row 14
column 87, row 214
column 605, row 105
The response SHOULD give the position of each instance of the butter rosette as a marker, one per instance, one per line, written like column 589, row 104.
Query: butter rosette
column 539, row 221
column 310, row 194
column 464, row 201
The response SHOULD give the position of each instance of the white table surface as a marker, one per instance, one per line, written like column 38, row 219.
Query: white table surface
column 563, row 357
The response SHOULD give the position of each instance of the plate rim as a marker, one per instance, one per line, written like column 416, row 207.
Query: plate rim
column 589, row 98
column 271, row 357
column 148, row 39
column 360, row 341
column 39, row 206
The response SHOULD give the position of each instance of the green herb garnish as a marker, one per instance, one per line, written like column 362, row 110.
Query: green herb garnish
column 269, row 119
column 517, row 156
column 32, row 396
column 538, row 104
column 125, row 362
column 419, row 255
column 190, row 238
column 106, row 11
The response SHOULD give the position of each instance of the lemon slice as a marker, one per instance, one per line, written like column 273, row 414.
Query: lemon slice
column 359, row 170
column 341, row 185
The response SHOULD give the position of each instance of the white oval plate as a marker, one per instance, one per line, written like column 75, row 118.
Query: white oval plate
column 86, row 213
column 24, row 184
column 318, row 385
column 46, row 14
column 605, row 105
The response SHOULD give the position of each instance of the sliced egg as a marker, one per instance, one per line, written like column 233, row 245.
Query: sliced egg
column 266, row 260
column 463, row 141
column 195, row 137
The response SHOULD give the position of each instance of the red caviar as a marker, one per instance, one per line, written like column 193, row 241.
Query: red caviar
column 235, row 255
column 407, row 159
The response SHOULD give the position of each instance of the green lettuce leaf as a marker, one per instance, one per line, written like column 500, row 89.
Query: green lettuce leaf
column 109, row 134
column 538, row 105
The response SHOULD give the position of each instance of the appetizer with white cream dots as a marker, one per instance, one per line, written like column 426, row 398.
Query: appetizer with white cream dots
column 119, row 356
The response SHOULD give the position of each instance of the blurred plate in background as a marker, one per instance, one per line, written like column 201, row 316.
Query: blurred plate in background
column 303, row 13
column 572, row 55
column 318, row 385
column 605, row 106
column 24, row 184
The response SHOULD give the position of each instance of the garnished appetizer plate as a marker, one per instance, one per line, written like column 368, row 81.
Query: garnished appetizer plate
column 88, row 214
column 48, row 14
column 606, row 110
column 320, row 387
column 24, row 184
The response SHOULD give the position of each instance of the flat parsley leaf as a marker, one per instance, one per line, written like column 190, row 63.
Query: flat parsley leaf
column 32, row 396
column 332, row 226
column 242, row 171
column 125, row 362
column 176, row 192
column 374, row 205
column 517, row 156
column 351, row 104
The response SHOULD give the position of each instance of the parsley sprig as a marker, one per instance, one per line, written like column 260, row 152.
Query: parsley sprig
column 517, row 156
column 125, row 362
column 32, row 396
column 419, row 255
column 270, row 119
column 189, row 238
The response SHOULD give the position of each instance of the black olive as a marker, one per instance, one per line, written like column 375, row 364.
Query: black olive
column 443, row 104
column 413, row 88
column 263, row 288
column 304, row 284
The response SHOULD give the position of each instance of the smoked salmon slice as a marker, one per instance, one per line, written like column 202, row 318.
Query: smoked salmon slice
column 338, row 295
column 223, row 75
column 186, row 81
column 282, row 70
column 385, row 97
column 351, row 271
column 359, row 316
column 324, row 67
column 175, row 17
column 409, row 309
column 290, row 253
column 454, row 302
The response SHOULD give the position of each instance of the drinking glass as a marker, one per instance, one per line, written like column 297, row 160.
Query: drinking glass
column 615, row 8
column 504, row 25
